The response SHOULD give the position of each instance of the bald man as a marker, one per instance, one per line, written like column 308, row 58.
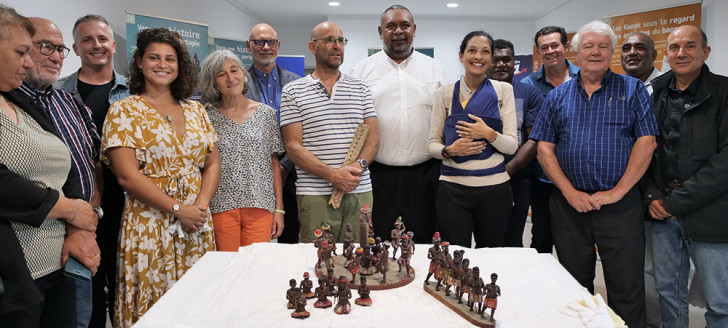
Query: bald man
column 320, row 114
column 266, row 82
column 686, row 185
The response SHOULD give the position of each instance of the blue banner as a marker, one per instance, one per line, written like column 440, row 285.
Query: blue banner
column 236, row 46
column 194, row 34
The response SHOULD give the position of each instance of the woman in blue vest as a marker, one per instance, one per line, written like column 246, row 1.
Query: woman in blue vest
column 473, row 126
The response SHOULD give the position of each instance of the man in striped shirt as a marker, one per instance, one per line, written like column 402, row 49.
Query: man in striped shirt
column 319, row 117
column 77, row 130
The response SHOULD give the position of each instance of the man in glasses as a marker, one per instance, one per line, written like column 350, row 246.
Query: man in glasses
column 266, row 82
column 320, row 114
column 77, row 130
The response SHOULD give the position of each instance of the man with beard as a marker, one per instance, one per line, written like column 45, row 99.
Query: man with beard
column 320, row 114
column 403, row 82
column 518, row 166
column 77, row 130
column 266, row 82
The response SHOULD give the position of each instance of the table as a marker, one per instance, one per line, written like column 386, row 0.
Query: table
column 247, row 289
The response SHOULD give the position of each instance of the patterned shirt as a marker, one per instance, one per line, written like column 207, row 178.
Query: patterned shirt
column 328, row 124
column 594, row 137
column 245, row 156
column 76, row 128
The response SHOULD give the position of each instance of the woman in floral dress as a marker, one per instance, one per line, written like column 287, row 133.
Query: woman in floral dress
column 161, row 147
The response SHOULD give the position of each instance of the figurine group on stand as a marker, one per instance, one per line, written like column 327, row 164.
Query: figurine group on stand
column 327, row 287
column 453, row 271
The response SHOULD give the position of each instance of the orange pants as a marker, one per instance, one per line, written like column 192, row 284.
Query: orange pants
column 241, row 227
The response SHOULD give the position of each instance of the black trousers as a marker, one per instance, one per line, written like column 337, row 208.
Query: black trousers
column 541, row 238
column 406, row 191
column 521, row 189
column 290, row 220
column 464, row 211
column 618, row 231
column 59, row 300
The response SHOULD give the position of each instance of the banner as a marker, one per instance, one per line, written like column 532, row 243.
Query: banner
column 522, row 67
column 193, row 34
column 236, row 46
column 657, row 24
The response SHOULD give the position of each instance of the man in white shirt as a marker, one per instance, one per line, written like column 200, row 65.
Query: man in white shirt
column 638, row 56
column 403, row 83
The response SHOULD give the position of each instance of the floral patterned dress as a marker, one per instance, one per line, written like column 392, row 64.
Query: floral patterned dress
column 152, row 255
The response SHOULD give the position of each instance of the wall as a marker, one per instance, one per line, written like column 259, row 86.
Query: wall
column 583, row 11
column 224, row 19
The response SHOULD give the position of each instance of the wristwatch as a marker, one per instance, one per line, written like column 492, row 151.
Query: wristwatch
column 362, row 162
column 99, row 211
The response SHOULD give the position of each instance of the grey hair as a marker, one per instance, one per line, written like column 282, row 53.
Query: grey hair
column 595, row 26
column 210, row 67
column 90, row 18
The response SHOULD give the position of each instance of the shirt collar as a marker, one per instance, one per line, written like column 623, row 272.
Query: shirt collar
column 692, row 89
column 32, row 91
column 405, row 62
column 573, row 70
column 259, row 74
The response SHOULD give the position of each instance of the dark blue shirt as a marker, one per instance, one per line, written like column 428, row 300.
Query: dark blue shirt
column 594, row 137
column 538, row 80
column 270, row 87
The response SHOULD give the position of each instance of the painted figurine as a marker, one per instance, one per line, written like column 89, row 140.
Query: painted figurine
column 348, row 237
column 354, row 265
column 364, row 299
column 456, row 271
column 307, row 286
column 329, row 236
column 317, row 243
column 407, row 251
column 433, row 253
column 383, row 264
column 291, row 293
column 326, row 249
column 476, row 290
column 343, row 295
column 366, row 261
column 396, row 235
column 492, row 291
column 300, row 306
column 465, row 275
column 364, row 219
column 445, row 263
column 331, row 281
column 322, row 294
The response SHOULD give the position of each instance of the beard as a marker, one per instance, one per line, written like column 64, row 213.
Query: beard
column 400, row 52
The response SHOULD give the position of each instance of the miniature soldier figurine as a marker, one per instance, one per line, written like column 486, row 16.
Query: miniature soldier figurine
column 465, row 280
column 317, row 243
column 364, row 219
column 364, row 299
column 407, row 250
column 476, row 290
column 366, row 261
column 492, row 291
column 433, row 253
column 291, row 293
column 329, row 236
column 343, row 294
column 396, row 235
column 456, row 271
column 326, row 249
column 348, row 236
column 331, row 280
column 322, row 293
column 354, row 264
column 300, row 304
column 445, row 265
column 307, row 286
column 383, row 264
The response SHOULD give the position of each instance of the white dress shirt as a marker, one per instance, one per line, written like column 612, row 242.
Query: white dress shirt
column 403, row 97
column 648, row 83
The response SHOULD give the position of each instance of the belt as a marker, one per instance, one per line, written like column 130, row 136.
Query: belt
column 672, row 184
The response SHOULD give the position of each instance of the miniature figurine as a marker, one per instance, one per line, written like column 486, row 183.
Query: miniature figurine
column 343, row 294
column 383, row 264
column 353, row 267
column 329, row 236
column 326, row 249
column 317, row 243
column 364, row 219
column 476, row 290
column 433, row 253
column 322, row 293
column 300, row 305
column 456, row 271
column 366, row 261
column 290, row 293
column 307, row 286
column 348, row 254
column 445, row 263
column 396, row 235
column 492, row 291
column 377, row 247
column 465, row 275
column 348, row 236
column 330, row 280
column 407, row 251
column 364, row 299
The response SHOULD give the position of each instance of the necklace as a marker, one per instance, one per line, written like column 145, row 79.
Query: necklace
column 158, row 108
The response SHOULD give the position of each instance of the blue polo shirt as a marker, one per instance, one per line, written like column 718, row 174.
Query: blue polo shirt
column 538, row 80
column 594, row 137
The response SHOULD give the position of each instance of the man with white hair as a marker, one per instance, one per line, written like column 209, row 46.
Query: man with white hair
column 596, row 135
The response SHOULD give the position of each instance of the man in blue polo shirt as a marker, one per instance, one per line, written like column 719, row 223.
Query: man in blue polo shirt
column 596, row 136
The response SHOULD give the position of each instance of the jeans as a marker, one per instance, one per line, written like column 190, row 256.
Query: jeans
column 84, row 305
column 671, row 260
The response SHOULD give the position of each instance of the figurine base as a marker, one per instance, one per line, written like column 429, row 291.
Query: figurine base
column 461, row 309
column 394, row 279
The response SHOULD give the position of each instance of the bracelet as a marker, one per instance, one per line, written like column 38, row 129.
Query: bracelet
column 445, row 154
column 74, row 211
column 280, row 211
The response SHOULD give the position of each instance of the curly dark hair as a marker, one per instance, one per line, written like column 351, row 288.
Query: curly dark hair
column 183, row 86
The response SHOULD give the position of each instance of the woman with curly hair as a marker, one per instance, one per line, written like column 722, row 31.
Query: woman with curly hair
column 162, row 148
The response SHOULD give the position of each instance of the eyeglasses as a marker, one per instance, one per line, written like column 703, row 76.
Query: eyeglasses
column 47, row 49
column 329, row 41
column 261, row 43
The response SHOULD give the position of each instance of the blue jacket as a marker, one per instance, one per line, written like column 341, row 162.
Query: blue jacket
column 70, row 84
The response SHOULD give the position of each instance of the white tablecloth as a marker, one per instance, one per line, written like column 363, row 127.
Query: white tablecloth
column 247, row 289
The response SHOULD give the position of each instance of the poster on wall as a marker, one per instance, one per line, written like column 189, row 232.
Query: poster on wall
column 522, row 67
column 236, row 46
column 657, row 24
column 193, row 34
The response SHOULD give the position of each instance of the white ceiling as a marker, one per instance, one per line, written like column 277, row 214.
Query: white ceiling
column 306, row 11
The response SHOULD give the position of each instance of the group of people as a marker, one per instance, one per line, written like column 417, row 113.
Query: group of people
column 173, row 179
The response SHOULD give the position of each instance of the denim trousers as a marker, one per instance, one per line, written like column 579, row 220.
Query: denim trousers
column 671, row 261
column 84, row 305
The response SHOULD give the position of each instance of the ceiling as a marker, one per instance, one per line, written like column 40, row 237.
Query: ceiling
column 302, row 11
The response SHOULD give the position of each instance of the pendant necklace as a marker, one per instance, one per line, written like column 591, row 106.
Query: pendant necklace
column 168, row 116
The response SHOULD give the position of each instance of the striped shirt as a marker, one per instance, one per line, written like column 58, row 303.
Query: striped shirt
column 328, row 124
column 76, row 128
column 594, row 137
